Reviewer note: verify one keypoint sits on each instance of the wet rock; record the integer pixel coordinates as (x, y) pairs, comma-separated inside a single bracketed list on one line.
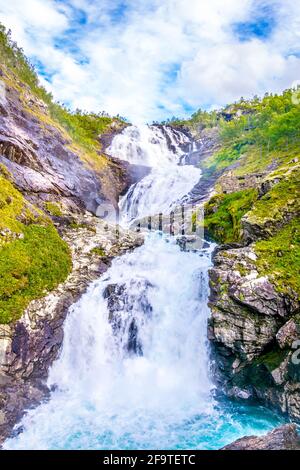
[(28, 348), (127, 312), (252, 329), (246, 310), (283, 438), (289, 333)]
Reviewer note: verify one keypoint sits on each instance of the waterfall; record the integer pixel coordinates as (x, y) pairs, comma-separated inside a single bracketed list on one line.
[(162, 149), (133, 372), (153, 146)]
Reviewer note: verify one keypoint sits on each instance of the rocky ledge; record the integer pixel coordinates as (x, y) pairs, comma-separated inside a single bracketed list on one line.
[(282, 438), (255, 333), (29, 347)]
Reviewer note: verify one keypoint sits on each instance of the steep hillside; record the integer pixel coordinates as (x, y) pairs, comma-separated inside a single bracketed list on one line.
[(54, 175), (254, 215), (54, 159)]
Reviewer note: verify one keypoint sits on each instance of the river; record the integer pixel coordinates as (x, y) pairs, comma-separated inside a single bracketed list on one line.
[(134, 371)]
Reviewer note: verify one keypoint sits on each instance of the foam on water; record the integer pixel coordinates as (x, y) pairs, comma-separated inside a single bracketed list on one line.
[(168, 182), (135, 374), (109, 398)]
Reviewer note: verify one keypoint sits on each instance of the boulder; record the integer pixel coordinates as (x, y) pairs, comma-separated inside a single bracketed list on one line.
[(283, 438)]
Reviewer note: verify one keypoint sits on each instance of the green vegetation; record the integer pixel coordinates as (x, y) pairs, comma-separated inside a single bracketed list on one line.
[(252, 134), (279, 257), (223, 214), (257, 137), (99, 251), (11, 206), (272, 359), (198, 121), (220, 160), (4, 171), (283, 197), (53, 209), (13, 56), (77, 226), (30, 267), (33, 257), (84, 128)]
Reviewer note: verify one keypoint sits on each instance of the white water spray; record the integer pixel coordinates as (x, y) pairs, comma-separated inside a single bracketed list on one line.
[(133, 370), (160, 148), (109, 397)]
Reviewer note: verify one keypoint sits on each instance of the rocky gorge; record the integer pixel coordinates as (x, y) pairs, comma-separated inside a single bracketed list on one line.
[(254, 214), (61, 185), (59, 176)]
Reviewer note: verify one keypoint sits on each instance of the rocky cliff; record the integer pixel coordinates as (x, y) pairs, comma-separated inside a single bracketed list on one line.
[(54, 175), (253, 214), (282, 438)]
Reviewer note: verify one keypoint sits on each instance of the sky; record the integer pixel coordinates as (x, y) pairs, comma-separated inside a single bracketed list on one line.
[(149, 60)]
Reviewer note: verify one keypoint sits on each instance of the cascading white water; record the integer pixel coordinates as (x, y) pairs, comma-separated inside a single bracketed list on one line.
[(109, 397), (152, 146), (159, 148), (133, 372)]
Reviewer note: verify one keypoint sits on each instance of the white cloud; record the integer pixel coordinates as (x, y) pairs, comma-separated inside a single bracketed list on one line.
[(128, 59), (234, 70)]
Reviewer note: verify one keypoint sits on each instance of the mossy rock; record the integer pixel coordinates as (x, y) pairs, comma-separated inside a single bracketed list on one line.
[(223, 214), (99, 251), (54, 209), (279, 258), (277, 204), (272, 359), (33, 257)]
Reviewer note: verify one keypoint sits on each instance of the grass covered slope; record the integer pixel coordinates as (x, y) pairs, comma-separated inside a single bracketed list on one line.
[(253, 134), (257, 196), (279, 257), (33, 257), (223, 214)]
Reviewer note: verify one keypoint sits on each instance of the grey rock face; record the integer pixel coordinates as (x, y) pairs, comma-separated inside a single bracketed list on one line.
[(289, 333), (252, 330), (45, 163), (282, 438), (29, 347)]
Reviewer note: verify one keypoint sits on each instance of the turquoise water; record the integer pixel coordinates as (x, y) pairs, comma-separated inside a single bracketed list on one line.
[(108, 397)]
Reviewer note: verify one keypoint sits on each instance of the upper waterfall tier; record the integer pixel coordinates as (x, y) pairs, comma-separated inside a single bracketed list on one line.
[(154, 146), (161, 148)]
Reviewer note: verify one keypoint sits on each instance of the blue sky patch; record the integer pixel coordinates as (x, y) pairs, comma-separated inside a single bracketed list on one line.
[(261, 26), (117, 14), (171, 72)]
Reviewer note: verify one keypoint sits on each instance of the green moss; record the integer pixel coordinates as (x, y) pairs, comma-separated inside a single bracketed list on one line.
[(11, 206), (77, 226), (223, 214), (220, 160), (53, 209), (33, 257), (242, 269), (271, 360), (30, 267), (99, 251), (4, 172), (282, 198), (279, 257)]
